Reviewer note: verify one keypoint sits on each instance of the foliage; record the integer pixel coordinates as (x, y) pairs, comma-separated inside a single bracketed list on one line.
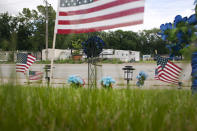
[(44, 109), (112, 61), (151, 41), (106, 82), (77, 46)]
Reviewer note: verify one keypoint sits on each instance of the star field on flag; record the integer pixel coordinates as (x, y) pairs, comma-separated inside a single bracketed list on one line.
[(69, 3)]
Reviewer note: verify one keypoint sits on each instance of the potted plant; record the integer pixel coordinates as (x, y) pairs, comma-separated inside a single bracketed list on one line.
[(76, 55)]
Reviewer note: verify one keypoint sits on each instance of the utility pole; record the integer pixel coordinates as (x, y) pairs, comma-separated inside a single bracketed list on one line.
[(47, 20)]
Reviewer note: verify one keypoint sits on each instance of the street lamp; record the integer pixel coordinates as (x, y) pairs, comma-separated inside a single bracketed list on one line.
[(128, 73), (47, 71)]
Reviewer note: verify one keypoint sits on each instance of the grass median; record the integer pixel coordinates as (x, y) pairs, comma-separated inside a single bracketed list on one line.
[(42, 108)]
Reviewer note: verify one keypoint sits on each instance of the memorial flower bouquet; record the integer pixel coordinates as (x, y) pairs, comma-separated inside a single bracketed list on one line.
[(106, 82), (76, 81), (142, 76)]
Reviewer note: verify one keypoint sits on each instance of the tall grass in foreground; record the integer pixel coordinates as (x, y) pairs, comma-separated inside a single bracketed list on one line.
[(37, 108)]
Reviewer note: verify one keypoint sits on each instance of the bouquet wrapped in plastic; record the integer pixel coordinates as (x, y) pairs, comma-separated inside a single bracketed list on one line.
[(106, 82), (76, 81), (142, 76)]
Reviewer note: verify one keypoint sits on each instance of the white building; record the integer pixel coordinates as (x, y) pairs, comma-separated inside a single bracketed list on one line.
[(59, 54), (107, 53), (123, 55), (4, 55), (146, 57)]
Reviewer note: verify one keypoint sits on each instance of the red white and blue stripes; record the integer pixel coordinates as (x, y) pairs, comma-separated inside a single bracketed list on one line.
[(99, 15)]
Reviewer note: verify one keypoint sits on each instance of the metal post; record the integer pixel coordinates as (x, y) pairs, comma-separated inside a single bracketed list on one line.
[(127, 79), (46, 35), (47, 70), (92, 73), (127, 84)]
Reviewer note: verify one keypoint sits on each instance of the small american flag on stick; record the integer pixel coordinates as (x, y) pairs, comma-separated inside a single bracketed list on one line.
[(82, 16), (24, 61), (167, 71), (35, 75)]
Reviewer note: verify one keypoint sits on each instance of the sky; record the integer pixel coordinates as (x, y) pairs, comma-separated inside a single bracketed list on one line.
[(157, 12)]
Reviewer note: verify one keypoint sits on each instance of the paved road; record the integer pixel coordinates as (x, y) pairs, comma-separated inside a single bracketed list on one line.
[(63, 71)]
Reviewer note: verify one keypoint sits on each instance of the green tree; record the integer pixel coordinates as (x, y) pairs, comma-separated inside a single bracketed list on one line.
[(151, 41), (7, 27)]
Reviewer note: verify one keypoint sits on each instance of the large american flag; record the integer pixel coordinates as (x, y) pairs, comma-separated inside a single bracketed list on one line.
[(82, 16), (167, 71), (24, 61)]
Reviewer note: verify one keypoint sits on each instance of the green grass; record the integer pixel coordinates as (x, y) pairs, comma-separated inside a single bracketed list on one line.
[(41, 108)]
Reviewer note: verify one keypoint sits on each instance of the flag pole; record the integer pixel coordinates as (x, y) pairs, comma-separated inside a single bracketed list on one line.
[(53, 48), (53, 54)]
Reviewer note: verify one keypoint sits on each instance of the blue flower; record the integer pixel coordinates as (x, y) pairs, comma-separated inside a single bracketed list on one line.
[(168, 25), (192, 19), (179, 35), (177, 20), (169, 47), (165, 27), (107, 81), (74, 79), (162, 27), (93, 42), (185, 19), (164, 37), (142, 76), (187, 45), (189, 32)]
